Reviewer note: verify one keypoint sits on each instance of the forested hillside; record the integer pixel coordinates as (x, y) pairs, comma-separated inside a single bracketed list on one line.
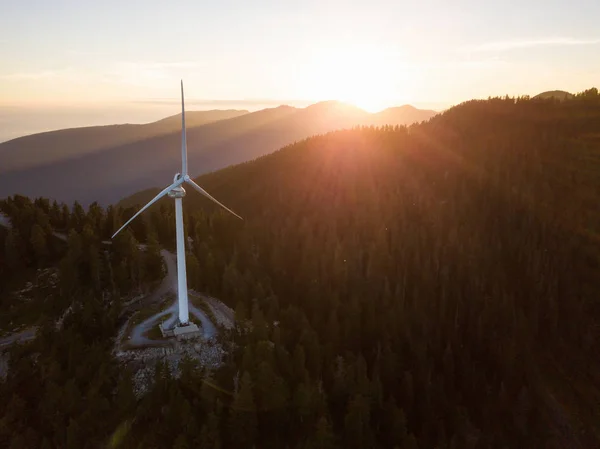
[(110, 162), (64, 389), (435, 286)]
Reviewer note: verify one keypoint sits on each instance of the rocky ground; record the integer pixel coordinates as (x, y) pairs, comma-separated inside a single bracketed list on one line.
[(208, 353), (46, 278), (206, 349), (4, 220), (224, 315)]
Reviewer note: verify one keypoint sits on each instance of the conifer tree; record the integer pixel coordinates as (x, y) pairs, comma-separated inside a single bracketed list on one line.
[(242, 415)]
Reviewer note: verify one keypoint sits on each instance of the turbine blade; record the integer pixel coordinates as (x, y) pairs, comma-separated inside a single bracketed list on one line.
[(154, 200), (183, 137), (207, 195)]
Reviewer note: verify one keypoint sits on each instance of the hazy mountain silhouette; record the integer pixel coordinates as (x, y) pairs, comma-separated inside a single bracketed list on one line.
[(401, 115), (557, 94), (106, 163), (46, 147)]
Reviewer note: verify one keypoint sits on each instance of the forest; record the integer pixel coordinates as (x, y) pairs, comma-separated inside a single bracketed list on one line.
[(431, 286)]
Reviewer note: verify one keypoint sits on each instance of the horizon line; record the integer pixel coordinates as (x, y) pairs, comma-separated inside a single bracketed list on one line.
[(269, 103)]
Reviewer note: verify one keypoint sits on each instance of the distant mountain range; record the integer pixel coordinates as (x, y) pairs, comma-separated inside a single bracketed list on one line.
[(47, 147), (557, 94), (107, 163)]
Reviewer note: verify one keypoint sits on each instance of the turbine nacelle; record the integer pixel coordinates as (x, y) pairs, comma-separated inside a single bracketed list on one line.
[(177, 192)]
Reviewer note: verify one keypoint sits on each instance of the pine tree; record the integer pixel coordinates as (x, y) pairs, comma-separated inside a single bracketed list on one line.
[(299, 365), (357, 429), (39, 245), (210, 437), (181, 442), (77, 218), (241, 314), (18, 442), (411, 442), (193, 271), (73, 435), (323, 437), (69, 276), (259, 324), (14, 250), (242, 417), (153, 260), (395, 425)]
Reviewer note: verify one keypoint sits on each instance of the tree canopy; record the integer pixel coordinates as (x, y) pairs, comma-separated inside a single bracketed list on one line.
[(431, 286)]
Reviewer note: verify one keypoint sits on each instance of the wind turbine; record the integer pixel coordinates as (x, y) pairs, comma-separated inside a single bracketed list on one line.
[(177, 192)]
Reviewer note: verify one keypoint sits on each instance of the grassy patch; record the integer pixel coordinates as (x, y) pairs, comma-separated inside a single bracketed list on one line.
[(154, 333), (146, 313), (199, 302), (196, 322)]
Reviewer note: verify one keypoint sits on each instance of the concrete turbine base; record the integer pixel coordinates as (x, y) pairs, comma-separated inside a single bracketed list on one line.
[(180, 332), (188, 331)]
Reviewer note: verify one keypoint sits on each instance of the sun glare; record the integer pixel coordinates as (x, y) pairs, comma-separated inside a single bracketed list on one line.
[(368, 78)]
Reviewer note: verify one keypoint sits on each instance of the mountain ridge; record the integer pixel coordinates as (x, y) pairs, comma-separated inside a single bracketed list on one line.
[(111, 169), (560, 95), (23, 152)]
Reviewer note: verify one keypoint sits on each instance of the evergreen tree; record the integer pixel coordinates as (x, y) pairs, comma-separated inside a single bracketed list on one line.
[(210, 436), (193, 271), (357, 429), (393, 287), (39, 245), (13, 250), (323, 437), (242, 417)]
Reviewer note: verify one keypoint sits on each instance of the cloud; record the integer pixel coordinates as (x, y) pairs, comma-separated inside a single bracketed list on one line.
[(39, 75), (88, 53), (222, 103), (147, 73), (529, 43), (133, 72), (455, 64), (159, 65), (465, 64)]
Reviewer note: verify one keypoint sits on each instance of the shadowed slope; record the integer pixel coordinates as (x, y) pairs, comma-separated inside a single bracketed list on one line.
[(108, 171), (54, 146), (452, 266)]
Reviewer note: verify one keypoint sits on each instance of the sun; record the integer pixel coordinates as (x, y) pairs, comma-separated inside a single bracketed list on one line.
[(368, 99), (367, 77)]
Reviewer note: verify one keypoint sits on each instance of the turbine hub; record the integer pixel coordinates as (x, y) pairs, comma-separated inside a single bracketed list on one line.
[(177, 192)]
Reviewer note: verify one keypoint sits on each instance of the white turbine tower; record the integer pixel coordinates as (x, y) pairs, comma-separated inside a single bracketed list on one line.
[(177, 192)]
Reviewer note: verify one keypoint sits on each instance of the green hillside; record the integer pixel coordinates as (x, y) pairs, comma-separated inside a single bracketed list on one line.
[(431, 286), (453, 266)]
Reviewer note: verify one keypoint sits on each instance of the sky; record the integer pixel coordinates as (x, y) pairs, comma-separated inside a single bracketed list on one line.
[(77, 62)]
